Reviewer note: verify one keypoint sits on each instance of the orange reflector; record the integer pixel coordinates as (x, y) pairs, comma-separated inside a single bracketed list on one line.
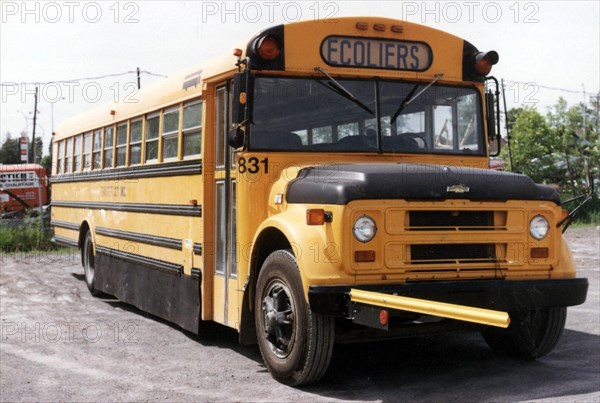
[(268, 48), (315, 216), (539, 253), (485, 61), (379, 27), (363, 26), (397, 29), (364, 256), (384, 317), (237, 52)]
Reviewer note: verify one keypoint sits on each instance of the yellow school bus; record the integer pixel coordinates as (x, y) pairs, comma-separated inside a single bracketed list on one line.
[(326, 181)]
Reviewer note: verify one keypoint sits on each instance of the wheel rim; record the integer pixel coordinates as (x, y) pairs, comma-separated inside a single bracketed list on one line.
[(279, 318), (89, 263)]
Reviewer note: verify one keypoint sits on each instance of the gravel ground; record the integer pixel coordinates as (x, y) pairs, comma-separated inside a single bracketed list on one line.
[(59, 343)]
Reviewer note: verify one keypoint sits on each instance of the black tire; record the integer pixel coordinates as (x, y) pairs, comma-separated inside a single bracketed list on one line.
[(530, 335), (295, 343), (89, 264)]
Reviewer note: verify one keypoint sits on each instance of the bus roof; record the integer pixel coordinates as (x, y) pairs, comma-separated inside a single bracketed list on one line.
[(181, 86)]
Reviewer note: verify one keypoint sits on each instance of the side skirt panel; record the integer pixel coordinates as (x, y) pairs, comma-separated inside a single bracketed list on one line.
[(146, 285)]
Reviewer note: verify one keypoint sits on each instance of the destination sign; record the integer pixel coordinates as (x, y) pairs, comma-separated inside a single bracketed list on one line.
[(374, 53)]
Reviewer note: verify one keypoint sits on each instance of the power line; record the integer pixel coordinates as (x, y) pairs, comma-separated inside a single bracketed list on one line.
[(549, 87), (75, 80)]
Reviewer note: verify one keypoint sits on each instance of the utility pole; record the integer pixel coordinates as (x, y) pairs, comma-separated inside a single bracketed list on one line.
[(584, 113), (138, 77), (34, 123)]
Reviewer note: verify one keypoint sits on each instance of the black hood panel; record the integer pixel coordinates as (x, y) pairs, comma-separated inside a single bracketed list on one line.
[(340, 184)]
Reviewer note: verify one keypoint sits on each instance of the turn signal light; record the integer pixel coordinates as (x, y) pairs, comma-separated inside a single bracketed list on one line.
[(318, 216), (364, 256), (539, 253), (268, 48), (484, 62)]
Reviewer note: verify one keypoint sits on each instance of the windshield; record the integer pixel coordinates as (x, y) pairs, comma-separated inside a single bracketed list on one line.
[(316, 114)]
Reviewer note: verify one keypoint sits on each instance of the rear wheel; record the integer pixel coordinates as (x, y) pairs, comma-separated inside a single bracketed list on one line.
[(295, 343), (89, 264), (530, 335)]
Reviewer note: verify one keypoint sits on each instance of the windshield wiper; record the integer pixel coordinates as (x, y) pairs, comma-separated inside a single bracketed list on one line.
[(410, 98), (339, 89)]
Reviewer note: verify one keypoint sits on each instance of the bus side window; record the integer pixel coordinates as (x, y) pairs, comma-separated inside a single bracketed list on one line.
[(135, 142), (152, 138), (60, 155), (192, 129), (87, 149), (170, 133), (77, 154), (69, 157), (96, 154), (121, 144), (108, 146)]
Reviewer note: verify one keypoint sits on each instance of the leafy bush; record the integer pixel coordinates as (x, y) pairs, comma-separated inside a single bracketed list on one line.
[(22, 235)]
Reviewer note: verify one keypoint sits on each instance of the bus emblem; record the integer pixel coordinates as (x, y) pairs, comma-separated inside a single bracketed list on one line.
[(457, 189)]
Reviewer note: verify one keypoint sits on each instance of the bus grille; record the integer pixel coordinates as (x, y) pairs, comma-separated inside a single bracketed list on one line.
[(451, 220), (452, 253)]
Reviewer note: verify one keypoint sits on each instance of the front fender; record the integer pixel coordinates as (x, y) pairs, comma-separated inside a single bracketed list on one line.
[(317, 247)]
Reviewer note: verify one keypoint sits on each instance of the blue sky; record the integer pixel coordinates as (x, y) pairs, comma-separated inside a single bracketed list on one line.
[(543, 46)]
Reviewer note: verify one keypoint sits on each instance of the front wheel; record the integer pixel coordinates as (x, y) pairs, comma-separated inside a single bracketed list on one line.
[(295, 343), (531, 334), (89, 264)]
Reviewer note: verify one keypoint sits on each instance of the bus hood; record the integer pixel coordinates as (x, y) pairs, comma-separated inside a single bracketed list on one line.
[(341, 184)]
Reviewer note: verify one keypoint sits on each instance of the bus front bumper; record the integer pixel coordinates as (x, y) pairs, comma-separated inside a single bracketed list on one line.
[(498, 295)]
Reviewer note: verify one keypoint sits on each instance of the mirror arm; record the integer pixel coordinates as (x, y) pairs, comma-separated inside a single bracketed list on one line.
[(497, 117)]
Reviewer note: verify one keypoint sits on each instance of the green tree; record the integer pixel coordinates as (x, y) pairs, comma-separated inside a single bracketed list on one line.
[(533, 146), (10, 152)]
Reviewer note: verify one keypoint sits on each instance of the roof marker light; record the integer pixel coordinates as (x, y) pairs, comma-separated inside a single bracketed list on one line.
[(268, 47), (484, 62)]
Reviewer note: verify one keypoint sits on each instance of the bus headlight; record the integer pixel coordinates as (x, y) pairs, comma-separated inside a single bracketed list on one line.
[(364, 228), (538, 227)]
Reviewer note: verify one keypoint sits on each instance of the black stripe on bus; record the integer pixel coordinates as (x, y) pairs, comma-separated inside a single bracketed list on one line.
[(196, 273), (167, 267), (178, 168), (197, 249), (61, 240), (65, 225), (171, 243), (169, 209)]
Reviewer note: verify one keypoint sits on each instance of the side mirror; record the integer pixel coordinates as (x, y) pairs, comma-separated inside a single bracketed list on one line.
[(238, 110), (492, 117), (241, 109)]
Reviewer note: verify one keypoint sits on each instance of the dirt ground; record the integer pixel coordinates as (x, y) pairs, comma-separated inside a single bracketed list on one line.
[(59, 343)]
